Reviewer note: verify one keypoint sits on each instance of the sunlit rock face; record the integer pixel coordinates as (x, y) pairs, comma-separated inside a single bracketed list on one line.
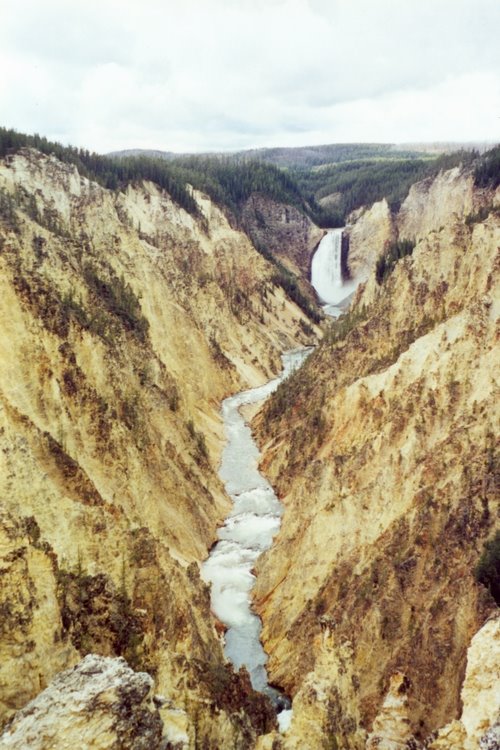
[(99, 704), (383, 457), (370, 231)]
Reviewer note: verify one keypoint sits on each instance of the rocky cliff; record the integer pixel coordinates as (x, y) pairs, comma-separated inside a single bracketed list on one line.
[(370, 230), (285, 230), (99, 704), (125, 321), (384, 450), (430, 206)]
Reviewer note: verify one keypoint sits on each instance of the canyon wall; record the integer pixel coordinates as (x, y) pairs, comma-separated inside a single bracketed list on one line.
[(431, 205), (125, 321), (284, 231), (383, 449), (370, 230)]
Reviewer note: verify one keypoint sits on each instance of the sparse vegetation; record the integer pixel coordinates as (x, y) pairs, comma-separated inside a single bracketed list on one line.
[(119, 298), (477, 217), (288, 392), (386, 263), (283, 278), (93, 611), (341, 326), (488, 569), (8, 214), (201, 452), (487, 171)]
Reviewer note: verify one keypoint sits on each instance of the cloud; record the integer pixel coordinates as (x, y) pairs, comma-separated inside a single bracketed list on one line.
[(225, 74)]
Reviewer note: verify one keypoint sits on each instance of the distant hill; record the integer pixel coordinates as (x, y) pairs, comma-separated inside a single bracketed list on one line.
[(305, 157)]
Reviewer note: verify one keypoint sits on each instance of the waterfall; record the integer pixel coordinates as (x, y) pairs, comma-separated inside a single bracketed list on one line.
[(326, 268), (326, 274)]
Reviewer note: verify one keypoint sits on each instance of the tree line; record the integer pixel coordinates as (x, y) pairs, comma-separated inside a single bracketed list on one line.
[(487, 171), (361, 183), (227, 183)]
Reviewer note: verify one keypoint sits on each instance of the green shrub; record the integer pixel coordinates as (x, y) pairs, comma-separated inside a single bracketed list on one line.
[(387, 262), (487, 570), (120, 300), (487, 171)]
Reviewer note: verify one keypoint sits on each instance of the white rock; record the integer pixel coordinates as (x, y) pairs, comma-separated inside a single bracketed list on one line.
[(100, 703)]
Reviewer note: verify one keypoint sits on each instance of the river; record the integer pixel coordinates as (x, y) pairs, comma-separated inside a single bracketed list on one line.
[(248, 530)]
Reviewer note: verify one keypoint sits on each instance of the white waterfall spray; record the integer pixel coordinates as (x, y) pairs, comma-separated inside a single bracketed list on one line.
[(326, 268), (326, 273)]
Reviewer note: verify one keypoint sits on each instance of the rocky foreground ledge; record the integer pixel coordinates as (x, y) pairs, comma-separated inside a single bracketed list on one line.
[(100, 703)]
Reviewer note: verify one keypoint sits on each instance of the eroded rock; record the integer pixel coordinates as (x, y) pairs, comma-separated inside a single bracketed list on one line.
[(99, 704)]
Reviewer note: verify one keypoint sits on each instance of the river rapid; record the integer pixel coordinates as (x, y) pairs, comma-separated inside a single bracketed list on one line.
[(248, 530)]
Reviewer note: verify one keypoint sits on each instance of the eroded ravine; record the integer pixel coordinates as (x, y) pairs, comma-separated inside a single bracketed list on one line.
[(248, 530)]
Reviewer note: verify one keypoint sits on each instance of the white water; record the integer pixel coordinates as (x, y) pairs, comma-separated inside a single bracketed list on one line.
[(326, 273), (249, 530)]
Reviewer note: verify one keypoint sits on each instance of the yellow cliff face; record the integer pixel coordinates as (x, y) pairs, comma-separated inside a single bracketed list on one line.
[(370, 231), (125, 321), (437, 202), (383, 452)]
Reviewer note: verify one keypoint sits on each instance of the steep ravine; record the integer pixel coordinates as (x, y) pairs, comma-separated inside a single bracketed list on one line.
[(383, 449), (248, 531), (125, 322)]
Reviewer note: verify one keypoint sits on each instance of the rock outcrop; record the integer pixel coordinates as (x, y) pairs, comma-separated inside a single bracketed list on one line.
[(437, 202), (284, 231), (98, 704), (125, 321), (383, 450), (479, 724), (370, 231)]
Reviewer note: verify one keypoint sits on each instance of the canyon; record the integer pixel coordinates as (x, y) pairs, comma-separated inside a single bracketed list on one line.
[(126, 321)]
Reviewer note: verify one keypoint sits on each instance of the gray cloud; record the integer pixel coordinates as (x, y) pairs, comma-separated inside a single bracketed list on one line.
[(227, 74)]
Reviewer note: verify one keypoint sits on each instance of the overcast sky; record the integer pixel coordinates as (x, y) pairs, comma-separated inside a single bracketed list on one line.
[(195, 75)]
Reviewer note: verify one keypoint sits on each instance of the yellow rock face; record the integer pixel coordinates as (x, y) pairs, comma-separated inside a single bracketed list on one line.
[(480, 695), (124, 322), (383, 451), (435, 203), (371, 231)]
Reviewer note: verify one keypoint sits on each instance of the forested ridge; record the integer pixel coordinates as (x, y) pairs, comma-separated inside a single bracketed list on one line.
[(361, 183), (487, 171), (228, 184), (300, 157), (361, 174)]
